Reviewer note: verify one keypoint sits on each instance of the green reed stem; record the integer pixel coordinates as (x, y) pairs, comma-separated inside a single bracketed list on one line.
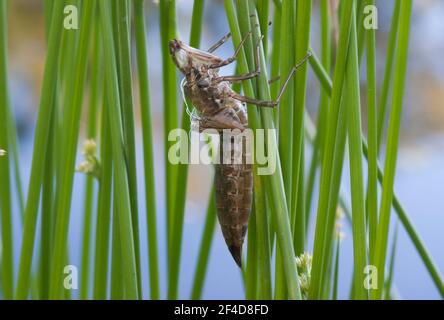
[(276, 56), (101, 268), (7, 264), (263, 10), (147, 132), (353, 101), (168, 32), (264, 281), (263, 243), (318, 144), (48, 217), (286, 108), (389, 282), (71, 123), (400, 68), (127, 111), (285, 118), (48, 186), (336, 269), (303, 19), (94, 101), (121, 193), (117, 285), (252, 254), (388, 72), (372, 180), (332, 162), (40, 144)]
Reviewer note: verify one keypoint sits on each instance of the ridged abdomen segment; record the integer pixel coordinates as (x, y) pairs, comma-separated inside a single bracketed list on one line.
[(234, 191)]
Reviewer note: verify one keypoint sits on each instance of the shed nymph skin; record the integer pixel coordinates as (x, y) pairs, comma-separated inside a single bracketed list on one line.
[(222, 108), (219, 110)]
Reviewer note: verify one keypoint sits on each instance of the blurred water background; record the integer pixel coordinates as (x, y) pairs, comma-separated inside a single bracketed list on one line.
[(419, 177)]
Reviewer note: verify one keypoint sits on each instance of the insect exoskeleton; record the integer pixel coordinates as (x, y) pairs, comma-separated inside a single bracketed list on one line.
[(221, 108)]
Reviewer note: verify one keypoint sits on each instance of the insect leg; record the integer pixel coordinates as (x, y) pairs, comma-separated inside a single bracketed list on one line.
[(239, 77), (232, 58), (271, 104), (245, 76), (219, 43), (257, 102), (225, 39), (266, 103)]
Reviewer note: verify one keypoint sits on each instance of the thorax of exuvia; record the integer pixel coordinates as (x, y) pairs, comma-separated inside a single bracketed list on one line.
[(202, 87)]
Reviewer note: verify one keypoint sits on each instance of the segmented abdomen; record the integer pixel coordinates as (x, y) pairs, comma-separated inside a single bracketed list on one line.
[(234, 192)]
